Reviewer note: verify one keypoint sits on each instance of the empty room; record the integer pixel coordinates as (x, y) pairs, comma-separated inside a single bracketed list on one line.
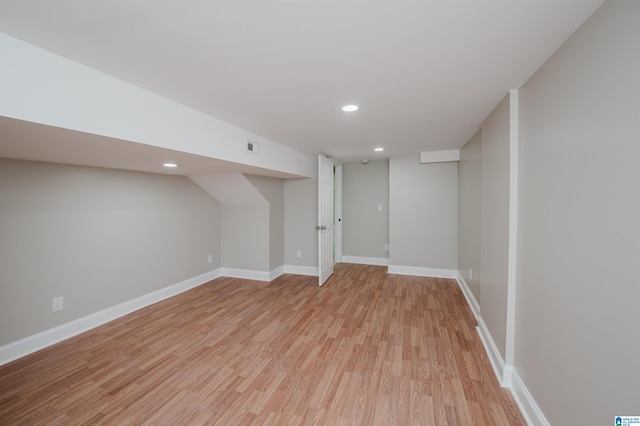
[(290, 212)]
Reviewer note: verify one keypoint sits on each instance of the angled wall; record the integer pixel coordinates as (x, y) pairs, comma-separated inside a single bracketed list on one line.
[(252, 222), (98, 238)]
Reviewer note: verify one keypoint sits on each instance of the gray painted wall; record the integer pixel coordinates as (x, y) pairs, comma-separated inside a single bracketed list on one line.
[(300, 219), (423, 216), (97, 237), (365, 230), (469, 202), (245, 236), (494, 219), (273, 190), (578, 291)]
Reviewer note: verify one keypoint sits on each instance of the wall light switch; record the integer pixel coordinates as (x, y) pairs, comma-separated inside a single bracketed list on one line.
[(386, 247), (210, 258), (298, 254)]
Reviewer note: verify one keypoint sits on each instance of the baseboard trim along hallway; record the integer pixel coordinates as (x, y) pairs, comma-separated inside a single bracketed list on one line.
[(367, 348)]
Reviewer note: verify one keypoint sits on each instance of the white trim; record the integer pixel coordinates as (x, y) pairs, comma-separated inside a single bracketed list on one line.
[(440, 156), (363, 260), (337, 218), (34, 343), (468, 294), (422, 272), (301, 270), (530, 411), (506, 374), (492, 352), (275, 273), (509, 352), (247, 274)]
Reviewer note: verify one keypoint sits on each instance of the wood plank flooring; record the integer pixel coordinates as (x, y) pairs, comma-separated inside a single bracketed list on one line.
[(367, 348)]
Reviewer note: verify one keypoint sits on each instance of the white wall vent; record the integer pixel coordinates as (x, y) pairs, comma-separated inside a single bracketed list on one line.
[(252, 147)]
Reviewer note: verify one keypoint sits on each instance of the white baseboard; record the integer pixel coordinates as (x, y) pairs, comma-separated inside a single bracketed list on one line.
[(506, 374), (468, 294), (34, 343), (530, 411), (275, 273), (497, 363), (422, 272), (301, 270), (362, 260), (247, 274)]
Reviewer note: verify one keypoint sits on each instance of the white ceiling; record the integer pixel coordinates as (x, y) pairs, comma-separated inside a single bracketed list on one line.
[(424, 73)]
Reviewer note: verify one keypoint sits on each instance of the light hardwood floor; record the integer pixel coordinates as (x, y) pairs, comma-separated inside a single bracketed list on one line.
[(368, 348)]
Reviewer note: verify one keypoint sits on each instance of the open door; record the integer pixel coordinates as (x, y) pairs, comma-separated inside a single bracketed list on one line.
[(325, 218)]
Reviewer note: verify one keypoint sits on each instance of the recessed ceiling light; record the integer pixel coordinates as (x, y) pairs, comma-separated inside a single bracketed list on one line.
[(350, 108), (378, 149), (170, 165)]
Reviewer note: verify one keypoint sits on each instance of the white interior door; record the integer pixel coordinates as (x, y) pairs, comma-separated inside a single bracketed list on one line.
[(325, 218)]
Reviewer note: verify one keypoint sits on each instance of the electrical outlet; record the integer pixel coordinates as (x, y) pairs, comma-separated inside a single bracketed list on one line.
[(386, 247), (56, 304), (298, 254), (379, 207), (210, 258), (470, 273)]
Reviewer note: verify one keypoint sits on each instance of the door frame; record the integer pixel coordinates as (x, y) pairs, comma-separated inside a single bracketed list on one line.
[(337, 203)]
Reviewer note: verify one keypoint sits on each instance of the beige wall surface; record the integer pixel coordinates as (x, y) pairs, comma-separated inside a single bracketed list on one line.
[(423, 216), (494, 219), (469, 202), (365, 229), (578, 292), (300, 219), (245, 236), (97, 237), (273, 190)]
